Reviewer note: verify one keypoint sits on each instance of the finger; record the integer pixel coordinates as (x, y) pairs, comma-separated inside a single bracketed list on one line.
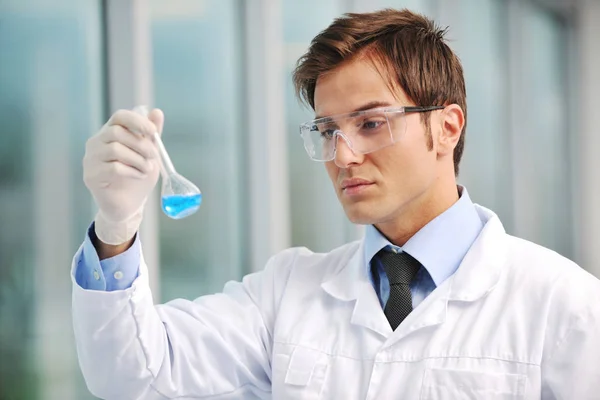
[(116, 151), (107, 173), (133, 122), (117, 169), (157, 117), (141, 144)]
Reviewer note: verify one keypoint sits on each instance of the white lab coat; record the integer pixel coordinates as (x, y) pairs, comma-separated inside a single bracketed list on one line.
[(516, 321)]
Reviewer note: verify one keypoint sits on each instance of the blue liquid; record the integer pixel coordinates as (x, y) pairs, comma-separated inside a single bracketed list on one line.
[(180, 206)]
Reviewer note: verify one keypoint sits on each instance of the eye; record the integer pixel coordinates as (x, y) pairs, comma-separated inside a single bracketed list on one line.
[(327, 134), (370, 125)]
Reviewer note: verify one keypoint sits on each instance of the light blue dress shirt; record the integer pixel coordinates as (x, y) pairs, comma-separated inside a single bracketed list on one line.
[(439, 246), (115, 273)]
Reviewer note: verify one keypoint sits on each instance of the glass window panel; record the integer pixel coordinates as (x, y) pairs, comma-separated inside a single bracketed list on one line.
[(50, 102), (543, 140), (198, 67), (478, 36), (478, 33), (420, 6)]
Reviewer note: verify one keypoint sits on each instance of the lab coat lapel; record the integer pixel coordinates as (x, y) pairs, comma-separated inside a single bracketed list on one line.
[(477, 275), (352, 283), (432, 311)]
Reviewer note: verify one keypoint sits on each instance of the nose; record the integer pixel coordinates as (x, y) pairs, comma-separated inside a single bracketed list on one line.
[(344, 155)]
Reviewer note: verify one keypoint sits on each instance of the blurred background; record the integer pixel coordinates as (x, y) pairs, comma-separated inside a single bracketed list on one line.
[(220, 70)]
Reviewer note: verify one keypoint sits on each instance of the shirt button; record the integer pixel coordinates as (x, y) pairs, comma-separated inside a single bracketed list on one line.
[(96, 275), (394, 250), (118, 275)]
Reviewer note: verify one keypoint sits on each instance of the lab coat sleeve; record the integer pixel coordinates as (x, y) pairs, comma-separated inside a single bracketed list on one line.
[(571, 366), (215, 347)]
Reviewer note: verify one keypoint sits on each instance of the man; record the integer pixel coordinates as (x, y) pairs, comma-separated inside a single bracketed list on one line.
[(435, 302)]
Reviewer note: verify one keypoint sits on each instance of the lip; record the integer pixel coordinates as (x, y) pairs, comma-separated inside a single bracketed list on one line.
[(355, 185)]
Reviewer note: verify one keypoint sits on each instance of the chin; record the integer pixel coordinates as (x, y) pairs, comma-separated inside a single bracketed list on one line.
[(360, 214)]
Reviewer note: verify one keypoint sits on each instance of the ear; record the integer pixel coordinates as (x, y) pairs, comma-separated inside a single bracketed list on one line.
[(452, 121)]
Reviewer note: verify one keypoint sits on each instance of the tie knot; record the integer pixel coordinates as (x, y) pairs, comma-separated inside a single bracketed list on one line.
[(399, 267)]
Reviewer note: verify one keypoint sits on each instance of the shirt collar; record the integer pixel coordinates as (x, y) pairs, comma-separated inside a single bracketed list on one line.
[(440, 245)]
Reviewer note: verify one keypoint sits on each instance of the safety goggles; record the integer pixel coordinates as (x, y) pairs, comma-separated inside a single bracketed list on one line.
[(364, 131)]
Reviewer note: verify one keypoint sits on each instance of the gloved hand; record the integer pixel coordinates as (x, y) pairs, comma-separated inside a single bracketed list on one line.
[(120, 168)]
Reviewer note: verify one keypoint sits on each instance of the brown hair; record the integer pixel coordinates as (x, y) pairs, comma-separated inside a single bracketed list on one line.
[(409, 46)]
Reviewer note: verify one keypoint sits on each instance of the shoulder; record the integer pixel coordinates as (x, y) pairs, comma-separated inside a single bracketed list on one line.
[(301, 259), (572, 294), (299, 267), (300, 263), (528, 260)]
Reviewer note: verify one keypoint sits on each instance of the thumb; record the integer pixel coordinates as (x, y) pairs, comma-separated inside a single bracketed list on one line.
[(157, 117)]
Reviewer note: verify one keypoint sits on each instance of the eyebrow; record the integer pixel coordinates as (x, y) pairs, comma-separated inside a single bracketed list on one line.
[(367, 106)]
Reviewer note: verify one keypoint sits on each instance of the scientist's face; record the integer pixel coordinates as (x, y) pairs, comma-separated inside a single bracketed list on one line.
[(391, 183)]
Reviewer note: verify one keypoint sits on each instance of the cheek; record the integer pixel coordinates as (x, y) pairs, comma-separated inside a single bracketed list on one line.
[(405, 162), (332, 171)]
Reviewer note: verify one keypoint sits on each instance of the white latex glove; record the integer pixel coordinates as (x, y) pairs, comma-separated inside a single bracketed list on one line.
[(120, 168)]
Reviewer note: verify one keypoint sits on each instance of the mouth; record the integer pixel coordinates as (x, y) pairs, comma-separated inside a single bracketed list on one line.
[(355, 186)]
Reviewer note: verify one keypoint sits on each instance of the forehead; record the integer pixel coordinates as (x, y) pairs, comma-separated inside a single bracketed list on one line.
[(354, 84)]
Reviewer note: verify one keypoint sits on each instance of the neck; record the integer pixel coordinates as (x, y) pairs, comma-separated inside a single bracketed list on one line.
[(419, 212)]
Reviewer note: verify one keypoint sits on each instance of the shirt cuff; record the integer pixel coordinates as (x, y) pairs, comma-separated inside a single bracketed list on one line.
[(115, 273)]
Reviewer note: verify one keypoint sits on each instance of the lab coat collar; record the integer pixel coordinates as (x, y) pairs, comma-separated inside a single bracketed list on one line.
[(351, 283), (439, 246), (476, 276), (346, 283), (482, 266)]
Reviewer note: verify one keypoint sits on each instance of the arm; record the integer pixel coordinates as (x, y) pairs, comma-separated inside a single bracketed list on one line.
[(217, 346), (571, 366)]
